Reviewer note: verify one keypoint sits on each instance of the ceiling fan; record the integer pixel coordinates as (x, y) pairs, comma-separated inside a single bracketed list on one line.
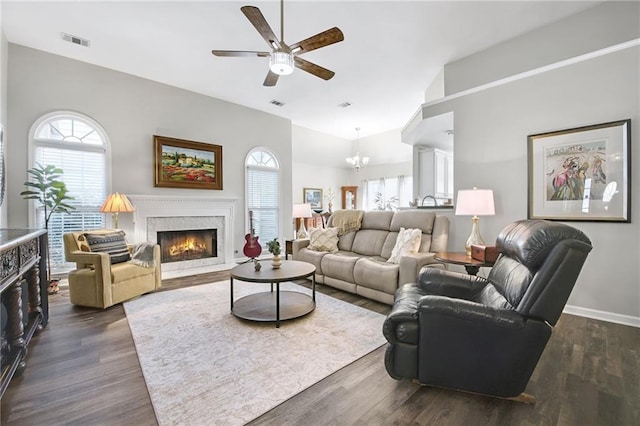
[(283, 58)]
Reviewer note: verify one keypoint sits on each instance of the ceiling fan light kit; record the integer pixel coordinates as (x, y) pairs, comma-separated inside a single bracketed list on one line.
[(281, 63), (284, 58)]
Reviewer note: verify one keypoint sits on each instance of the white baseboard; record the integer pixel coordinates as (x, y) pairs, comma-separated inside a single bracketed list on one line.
[(603, 315)]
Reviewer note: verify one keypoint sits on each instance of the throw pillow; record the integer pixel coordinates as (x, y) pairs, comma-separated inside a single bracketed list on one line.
[(408, 242), (324, 239), (112, 243)]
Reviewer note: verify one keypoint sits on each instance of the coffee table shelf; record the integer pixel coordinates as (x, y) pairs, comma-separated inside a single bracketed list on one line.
[(274, 305)]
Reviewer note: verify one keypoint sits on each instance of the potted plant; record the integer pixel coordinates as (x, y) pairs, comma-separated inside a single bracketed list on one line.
[(52, 194), (274, 248)]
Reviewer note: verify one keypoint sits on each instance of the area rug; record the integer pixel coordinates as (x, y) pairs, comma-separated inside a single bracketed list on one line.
[(202, 365)]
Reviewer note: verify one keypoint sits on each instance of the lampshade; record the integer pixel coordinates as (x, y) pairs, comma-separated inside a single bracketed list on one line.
[(475, 202), (302, 210), (281, 63), (117, 203)]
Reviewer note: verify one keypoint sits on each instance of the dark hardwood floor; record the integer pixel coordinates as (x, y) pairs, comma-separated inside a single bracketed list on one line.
[(83, 370)]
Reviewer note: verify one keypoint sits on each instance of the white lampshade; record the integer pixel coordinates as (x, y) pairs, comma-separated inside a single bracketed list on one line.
[(281, 63), (302, 210), (475, 202)]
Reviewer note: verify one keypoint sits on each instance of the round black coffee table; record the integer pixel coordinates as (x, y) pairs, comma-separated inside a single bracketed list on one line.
[(269, 305)]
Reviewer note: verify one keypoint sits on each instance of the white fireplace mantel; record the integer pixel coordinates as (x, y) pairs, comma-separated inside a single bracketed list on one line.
[(154, 206)]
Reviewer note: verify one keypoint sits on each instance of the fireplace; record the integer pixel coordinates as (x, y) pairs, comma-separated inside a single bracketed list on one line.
[(191, 244)]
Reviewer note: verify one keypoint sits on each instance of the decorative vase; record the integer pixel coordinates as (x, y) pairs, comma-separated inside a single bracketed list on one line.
[(257, 265), (330, 207), (276, 261)]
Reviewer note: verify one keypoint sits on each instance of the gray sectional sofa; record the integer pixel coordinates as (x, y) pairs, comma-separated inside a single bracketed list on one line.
[(360, 265)]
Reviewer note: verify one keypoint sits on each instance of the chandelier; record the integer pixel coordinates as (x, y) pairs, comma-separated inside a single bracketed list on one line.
[(357, 161)]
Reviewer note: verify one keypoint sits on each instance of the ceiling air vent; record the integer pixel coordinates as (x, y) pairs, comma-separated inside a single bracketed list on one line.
[(276, 103), (344, 105), (75, 40)]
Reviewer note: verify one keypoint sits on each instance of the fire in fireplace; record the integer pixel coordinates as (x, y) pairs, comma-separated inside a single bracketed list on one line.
[(178, 246)]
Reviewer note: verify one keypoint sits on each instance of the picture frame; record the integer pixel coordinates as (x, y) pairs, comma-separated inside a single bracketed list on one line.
[(313, 196), (187, 164), (581, 174)]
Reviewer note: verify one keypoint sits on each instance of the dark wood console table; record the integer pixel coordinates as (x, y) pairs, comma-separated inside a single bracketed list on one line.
[(23, 290)]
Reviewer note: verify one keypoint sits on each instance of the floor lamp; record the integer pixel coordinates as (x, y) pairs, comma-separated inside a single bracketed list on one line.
[(117, 203), (475, 202)]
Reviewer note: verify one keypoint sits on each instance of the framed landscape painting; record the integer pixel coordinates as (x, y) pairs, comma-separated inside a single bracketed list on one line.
[(581, 174), (187, 164)]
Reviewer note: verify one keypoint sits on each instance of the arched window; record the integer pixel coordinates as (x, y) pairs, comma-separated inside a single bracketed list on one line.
[(263, 193), (78, 145)]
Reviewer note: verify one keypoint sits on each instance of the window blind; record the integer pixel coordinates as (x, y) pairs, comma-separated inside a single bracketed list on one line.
[(263, 200), (84, 175)]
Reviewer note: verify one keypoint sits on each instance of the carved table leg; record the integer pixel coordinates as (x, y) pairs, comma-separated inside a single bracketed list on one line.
[(35, 302), (15, 327)]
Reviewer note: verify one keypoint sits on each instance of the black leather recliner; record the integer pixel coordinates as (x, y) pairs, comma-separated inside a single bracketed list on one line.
[(486, 335)]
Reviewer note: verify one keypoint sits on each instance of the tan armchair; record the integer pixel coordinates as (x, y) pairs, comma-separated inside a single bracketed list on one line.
[(96, 282)]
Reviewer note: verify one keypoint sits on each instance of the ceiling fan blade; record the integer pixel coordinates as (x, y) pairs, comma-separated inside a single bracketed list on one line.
[(325, 38), (249, 53), (271, 80), (314, 69), (256, 18)]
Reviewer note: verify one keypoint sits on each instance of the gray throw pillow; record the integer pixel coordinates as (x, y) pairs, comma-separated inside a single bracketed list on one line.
[(112, 243)]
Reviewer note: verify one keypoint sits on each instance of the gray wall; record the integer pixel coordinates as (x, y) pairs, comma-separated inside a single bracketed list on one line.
[(3, 105), (491, 128), (131, 110), (602, 26)]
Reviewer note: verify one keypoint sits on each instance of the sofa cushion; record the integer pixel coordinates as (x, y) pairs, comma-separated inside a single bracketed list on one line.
[(377, 219), (313, 257), (413, 219), (324, 239), (339, 265), (369, 242), (376, 274), (407, 242), (112, 243)]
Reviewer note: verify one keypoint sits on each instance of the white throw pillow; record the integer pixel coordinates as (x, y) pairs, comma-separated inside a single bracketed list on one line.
[(408, 242), (324, 239)]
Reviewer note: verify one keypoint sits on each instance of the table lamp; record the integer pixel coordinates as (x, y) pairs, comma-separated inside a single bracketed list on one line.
[(475, 202), (302, 211), (117, 203)]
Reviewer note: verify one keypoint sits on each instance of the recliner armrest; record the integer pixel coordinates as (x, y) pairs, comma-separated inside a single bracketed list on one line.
[(449, 283), (404, 310), (297, 245), (465, 310)]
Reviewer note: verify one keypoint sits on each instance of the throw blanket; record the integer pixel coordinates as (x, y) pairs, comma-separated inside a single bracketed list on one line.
[(347, 220), (143, 255)]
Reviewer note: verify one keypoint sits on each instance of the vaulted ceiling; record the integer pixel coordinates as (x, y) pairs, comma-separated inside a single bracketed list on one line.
[(391, 52)]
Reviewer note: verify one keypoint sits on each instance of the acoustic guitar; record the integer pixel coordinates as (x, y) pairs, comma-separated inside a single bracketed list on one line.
[(251, 248)]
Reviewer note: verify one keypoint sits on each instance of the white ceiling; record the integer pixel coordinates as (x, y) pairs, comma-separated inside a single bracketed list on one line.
[(391, 52)]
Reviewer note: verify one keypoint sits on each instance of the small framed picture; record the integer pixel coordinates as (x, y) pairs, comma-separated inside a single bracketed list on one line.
[(581, 174), (313, 196)]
